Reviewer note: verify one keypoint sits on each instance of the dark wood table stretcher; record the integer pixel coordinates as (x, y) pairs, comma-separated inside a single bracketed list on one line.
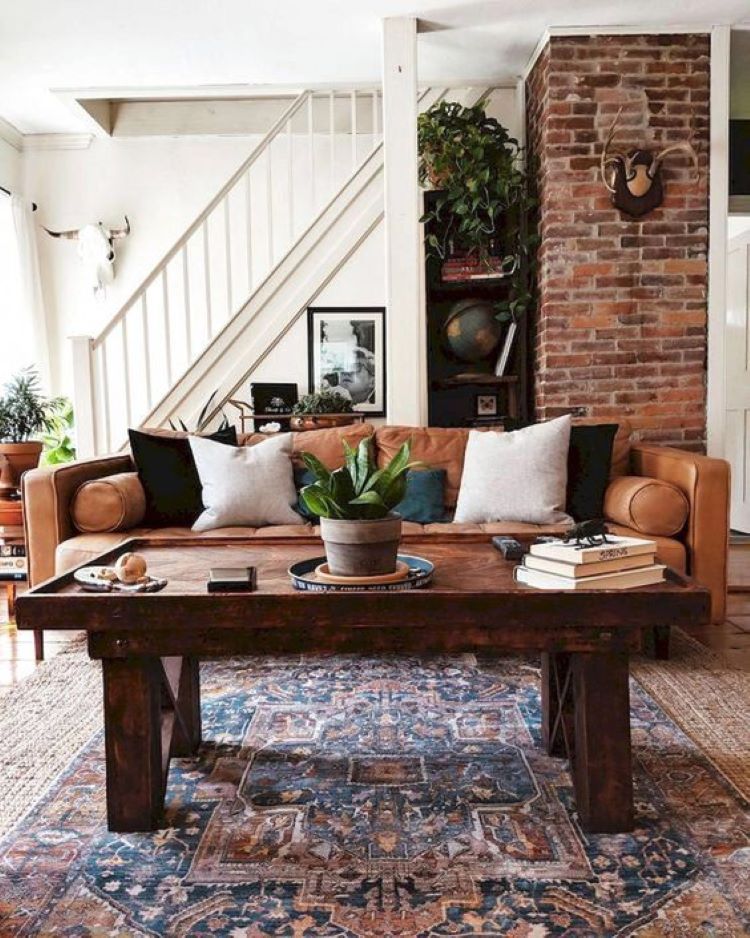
[(150, 646)]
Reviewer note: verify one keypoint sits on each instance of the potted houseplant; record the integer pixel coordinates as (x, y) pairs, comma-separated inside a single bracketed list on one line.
[(479, 214), (322, 409), (24, 414), (355, 503)]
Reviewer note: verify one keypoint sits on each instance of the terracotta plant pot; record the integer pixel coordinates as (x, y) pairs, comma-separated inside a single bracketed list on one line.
[(361, 548), (15, 459), (320, 421)]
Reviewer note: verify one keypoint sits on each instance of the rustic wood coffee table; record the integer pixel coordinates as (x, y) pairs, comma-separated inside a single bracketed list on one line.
[(150, 646)]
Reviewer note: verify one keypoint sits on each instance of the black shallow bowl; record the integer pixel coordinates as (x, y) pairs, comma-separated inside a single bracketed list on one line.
[(303, 577)]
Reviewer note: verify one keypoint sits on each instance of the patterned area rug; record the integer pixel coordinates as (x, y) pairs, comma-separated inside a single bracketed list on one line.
[(383, 797), (708, 700)]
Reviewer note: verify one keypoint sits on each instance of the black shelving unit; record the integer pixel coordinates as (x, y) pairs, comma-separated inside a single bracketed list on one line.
[(452, 384)]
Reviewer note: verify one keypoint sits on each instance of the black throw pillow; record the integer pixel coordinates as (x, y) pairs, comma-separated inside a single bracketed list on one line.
[(589, 463), (170, 480)]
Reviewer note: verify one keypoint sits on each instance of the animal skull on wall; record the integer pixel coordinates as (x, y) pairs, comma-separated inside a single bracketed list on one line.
[(634, 178), (96, 250)]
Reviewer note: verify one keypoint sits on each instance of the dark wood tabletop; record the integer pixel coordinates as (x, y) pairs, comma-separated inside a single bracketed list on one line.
[(473, 587)]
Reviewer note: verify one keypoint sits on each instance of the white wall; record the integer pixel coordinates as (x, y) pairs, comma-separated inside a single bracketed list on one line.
[(10, 166), (361, 282), (162, 185)]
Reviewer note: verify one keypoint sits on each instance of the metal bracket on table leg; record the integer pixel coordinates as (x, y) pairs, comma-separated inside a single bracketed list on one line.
[(563, 692)]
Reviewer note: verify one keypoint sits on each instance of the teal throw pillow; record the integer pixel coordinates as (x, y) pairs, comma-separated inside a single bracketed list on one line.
[(424, 499), (303, 477)]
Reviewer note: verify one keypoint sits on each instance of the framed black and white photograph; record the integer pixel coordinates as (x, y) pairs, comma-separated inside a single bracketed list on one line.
[(486, 405), (273, 399), (346, 348)]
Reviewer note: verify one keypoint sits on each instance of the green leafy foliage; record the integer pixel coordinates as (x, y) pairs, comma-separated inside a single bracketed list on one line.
[(483, 202), (203, 419), (323, 402), (358, 490), (24, 411), (59, 446)]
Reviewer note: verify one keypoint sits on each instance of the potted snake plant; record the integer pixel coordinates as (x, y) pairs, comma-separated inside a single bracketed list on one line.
[(355, 503)]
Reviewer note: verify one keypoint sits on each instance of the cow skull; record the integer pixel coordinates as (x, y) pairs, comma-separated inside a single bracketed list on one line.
[(634, 178), (96, 250)]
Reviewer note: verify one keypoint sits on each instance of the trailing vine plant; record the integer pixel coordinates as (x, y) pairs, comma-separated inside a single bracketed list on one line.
[(483, 202)]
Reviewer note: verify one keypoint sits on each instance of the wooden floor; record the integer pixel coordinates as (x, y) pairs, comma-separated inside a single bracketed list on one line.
[(731, 639)]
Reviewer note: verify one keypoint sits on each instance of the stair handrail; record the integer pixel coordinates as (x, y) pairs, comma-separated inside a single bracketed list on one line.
[(156, 271)]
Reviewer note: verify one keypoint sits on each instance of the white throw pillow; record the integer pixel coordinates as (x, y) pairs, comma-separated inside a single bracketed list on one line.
[(517, 476), (245, 485)]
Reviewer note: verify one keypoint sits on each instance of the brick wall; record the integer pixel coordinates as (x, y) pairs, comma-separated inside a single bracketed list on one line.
[(621, 320)]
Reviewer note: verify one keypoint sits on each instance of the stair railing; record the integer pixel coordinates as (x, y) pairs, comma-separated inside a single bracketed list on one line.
[(246, 229)]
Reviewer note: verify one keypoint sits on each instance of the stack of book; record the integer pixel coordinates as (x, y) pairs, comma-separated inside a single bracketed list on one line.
[(461, 269), (12, 545), (620, 563)]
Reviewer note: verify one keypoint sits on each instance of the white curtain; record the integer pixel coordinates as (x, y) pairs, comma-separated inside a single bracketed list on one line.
[(30, 298)]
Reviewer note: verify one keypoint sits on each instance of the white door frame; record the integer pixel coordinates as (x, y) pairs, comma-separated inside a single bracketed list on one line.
[(717, 241)]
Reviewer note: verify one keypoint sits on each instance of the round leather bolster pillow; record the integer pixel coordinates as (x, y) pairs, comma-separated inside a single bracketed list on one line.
[(648, 505), (113, 503)]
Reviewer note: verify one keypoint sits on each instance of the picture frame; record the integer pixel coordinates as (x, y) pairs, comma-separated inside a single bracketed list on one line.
[(346, 353), (273, 399), (486, 405)]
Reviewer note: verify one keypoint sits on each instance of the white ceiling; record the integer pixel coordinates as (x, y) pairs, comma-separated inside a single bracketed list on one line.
[(48, 44)]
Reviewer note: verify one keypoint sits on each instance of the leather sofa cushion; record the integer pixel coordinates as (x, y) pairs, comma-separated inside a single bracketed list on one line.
[(649, 506), (325, 444), (85, 547), (328, 445), (523, 530), (438, 447), (113, 503), (668, 550)]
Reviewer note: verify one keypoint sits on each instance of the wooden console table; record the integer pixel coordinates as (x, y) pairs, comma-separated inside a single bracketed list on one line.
[(150, 646)]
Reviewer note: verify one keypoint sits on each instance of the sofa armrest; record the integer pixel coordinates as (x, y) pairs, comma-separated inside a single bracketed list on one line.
[(705, 481), (47, 493)]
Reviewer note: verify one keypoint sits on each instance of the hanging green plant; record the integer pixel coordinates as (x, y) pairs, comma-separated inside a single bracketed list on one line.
[(483, 203)]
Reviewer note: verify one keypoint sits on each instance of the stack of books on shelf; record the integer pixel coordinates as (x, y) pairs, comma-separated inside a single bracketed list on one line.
[(12, 545), (620, 563), (461, 269)]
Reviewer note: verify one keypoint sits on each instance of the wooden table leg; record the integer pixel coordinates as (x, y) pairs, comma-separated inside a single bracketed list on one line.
[(137, 762), (602, 771), (10, 595), (187, 729), (557, 704), (662, 634)]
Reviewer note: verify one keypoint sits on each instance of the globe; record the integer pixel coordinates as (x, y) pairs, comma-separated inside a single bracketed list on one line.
[(471, 332)]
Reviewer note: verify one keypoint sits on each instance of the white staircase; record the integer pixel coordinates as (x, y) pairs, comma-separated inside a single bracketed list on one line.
[(304, 187), (241, 274)]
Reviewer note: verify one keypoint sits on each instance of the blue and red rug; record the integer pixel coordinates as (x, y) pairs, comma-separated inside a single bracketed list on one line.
[(382, 797)]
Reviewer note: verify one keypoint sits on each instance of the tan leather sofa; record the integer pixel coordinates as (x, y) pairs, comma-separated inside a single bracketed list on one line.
[(680, 499)]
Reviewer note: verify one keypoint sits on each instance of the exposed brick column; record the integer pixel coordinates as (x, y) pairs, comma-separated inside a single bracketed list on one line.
[(621, 324)]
